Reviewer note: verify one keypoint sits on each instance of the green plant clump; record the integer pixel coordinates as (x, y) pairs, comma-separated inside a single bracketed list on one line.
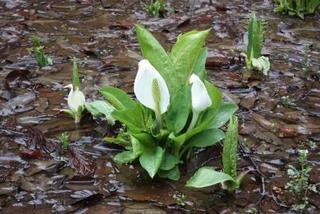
[(155, 8), (207, 176), (298, 182), (254, 60), (38, 51), (297, 7), (177, 109)]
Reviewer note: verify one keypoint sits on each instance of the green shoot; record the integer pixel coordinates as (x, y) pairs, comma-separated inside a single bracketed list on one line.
[(75, 74), (38, 52), (155, 8), (64, 139)]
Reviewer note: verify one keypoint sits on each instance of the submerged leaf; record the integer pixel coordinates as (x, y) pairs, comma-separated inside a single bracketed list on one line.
[(207, 176), (101, 108)]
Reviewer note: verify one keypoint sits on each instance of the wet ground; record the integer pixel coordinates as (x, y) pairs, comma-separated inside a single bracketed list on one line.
[(279, 114)]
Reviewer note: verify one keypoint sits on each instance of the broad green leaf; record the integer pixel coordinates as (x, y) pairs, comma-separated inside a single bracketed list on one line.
[(207, 176), (200, 66), (206, 138), (229, 155), (151, 160), (75, 74), (179, 110), (215, 94), (153, 51), (131, 117), (261, 64), (185, 53), (255, 38), (169, 161), (118, 98), (172, 174), (145, 138), (223, 115), (119, 140), (101, 108)]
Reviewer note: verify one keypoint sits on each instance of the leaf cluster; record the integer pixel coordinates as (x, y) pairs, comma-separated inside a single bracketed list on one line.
[(299, 8)]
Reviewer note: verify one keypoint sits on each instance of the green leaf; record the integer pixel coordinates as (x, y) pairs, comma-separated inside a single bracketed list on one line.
[(145, 138), (118, 98), (179, 110), (185, 53), (172, 174), (207, 176), (151, 160), (229, 155), (131, 117), (215, 94), (206, 138), (169, 161), (261, 64), (129, 156), (75, 74), (200, 65), (255, 38), (153, 51), (223, 115), (101, 108)]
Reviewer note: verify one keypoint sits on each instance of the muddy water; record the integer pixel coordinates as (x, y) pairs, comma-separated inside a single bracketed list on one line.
[(279, 113)]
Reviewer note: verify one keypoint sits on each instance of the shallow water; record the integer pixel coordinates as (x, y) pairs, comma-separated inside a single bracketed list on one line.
[(278, 114)]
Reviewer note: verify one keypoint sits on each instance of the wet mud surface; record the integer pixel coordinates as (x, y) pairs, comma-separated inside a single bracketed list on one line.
[(278, 114)]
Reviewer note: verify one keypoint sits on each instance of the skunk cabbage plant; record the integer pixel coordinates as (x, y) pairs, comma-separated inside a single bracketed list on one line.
[(254, 60), (76, 99), (176, 111)]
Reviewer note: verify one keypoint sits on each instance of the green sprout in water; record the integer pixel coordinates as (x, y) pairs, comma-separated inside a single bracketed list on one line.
[(254, 60), (298, 183), (297, 7), (64, 139), (207, 176), (38, 51), (155, 8)]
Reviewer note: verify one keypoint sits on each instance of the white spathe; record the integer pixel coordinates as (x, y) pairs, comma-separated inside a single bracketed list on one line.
[(199, 94), (143, 87), (76, 99), (200, 98)]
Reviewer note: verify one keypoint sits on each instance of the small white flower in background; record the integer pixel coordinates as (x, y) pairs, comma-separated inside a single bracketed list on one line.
[(151, 89), (76, 99), (76, 102), (262, 64), (200, 98)]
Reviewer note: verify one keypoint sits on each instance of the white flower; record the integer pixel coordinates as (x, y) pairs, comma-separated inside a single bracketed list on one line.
[(76, 102), (261, 64), (200, 98), (151, 89)]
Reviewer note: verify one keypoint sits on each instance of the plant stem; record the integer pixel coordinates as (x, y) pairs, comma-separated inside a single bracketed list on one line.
[(195, 116)]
